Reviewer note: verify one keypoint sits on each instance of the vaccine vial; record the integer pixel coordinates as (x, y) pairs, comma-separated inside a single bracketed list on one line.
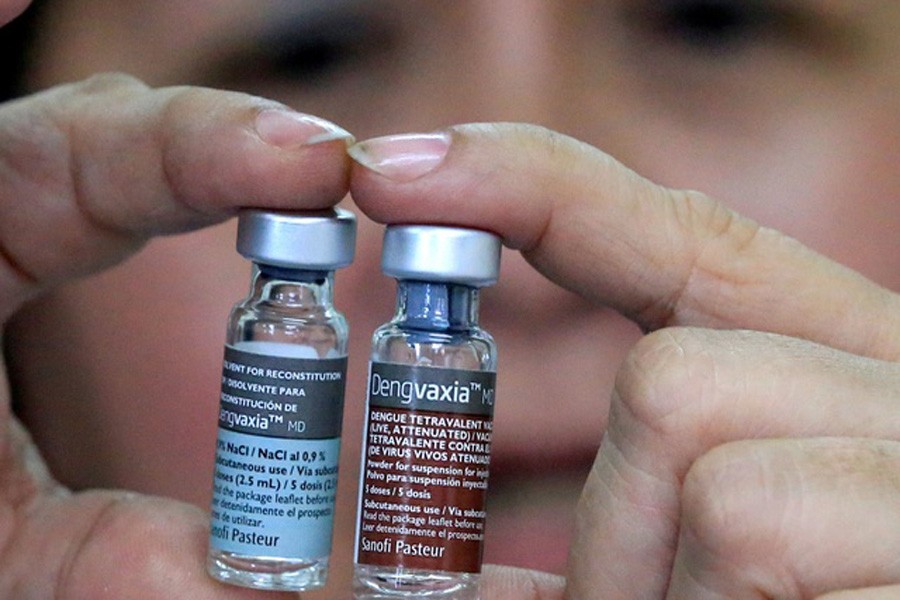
[(281, 404), (427, 437)]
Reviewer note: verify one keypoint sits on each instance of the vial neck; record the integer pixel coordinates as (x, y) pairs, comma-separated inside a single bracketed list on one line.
[(292, 287), (436, 306)]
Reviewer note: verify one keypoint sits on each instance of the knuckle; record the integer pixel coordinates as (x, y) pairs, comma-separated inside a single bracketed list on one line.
[(731, 496), (78, 109), (718, 237), (713, 224), (183, 108), (106, 83), (668, 380)]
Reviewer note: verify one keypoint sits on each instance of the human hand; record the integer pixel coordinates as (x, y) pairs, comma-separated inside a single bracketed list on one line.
[(88, 173), (752, 446)]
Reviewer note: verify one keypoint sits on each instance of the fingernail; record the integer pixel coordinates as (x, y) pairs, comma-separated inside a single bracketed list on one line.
[(286, 129), (402, 157)]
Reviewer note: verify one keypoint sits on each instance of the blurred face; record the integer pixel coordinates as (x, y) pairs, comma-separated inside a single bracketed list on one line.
[(786, 109)]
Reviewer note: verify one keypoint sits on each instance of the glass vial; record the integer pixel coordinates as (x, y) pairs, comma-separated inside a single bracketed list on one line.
[(281, 404), (427, 437)]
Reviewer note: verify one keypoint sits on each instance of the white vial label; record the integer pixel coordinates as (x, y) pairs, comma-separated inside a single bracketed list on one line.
[(277, 454)]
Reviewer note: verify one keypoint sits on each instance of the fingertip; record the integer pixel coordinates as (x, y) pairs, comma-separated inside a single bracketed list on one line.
[(464, 175), (285, 128), (404, 157), (10, 9), (252, 152)]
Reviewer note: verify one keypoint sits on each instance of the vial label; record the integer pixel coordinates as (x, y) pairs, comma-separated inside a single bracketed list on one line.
[(425, 468), (277, 455)]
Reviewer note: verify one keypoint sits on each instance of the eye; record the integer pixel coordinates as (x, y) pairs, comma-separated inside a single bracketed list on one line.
[(311, 52), (713, 26), (320, 50)]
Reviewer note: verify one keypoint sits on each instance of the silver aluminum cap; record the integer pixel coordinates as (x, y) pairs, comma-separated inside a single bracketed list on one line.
[(437, 253), (317, 240)]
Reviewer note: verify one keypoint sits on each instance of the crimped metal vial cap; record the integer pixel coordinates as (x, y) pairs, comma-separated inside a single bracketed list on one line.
[(317, 240), (437, 253)]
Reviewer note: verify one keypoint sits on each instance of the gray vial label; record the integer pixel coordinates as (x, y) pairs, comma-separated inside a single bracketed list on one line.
[(275, 396)]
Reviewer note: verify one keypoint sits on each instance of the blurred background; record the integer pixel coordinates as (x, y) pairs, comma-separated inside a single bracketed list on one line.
[(788, 110)]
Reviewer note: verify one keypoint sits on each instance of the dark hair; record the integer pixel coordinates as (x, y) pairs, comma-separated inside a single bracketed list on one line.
[(16, 40)]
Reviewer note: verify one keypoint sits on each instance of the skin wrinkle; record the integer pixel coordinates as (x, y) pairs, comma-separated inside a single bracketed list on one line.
[(884, 337), (598, 485), (120, 517), (171, 97), (685, 207), (699, 583), (835, 459), (78, 193), (575, 214), (720, 227), (605, 172), (615, 445), (66, 570), (714, 515), (167, 163), (670, 535), (24, 476), (33, 484), (710, 520), (27, 476), (661, 312), (866, 374), (120, 88), (646, 374), (827, 464), (535, 584), (617, 467), (177, 96), (529, 249), (802, 507), (35, 469), (18, 272)]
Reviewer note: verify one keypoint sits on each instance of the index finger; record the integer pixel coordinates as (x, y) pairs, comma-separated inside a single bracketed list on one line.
[(662, 257), (90, 171)]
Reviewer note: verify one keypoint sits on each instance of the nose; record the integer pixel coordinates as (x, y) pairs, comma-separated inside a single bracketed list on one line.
[(499, 63), (516, 42)]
